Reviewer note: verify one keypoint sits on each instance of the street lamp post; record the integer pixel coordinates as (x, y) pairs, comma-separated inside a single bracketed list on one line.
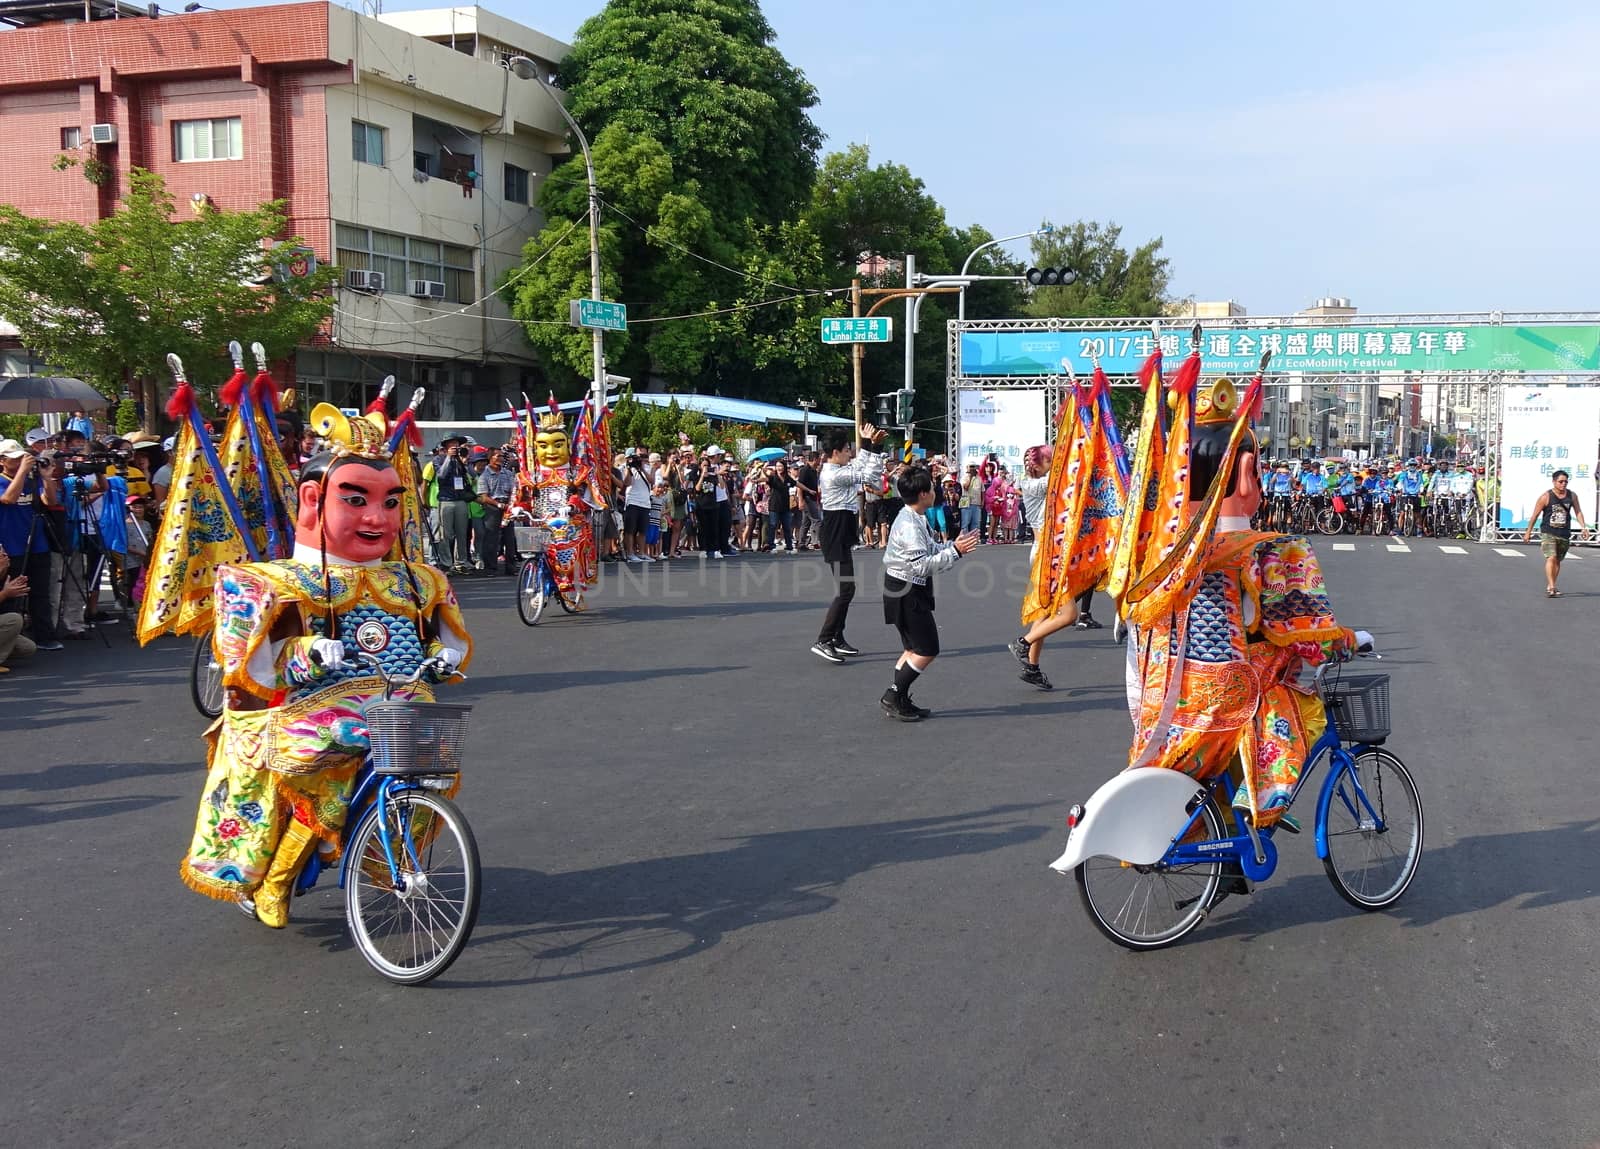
[(525, 69), (961, 298), (806, 405)]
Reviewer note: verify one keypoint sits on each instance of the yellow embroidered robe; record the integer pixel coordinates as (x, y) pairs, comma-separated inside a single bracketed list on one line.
[(292, 739)]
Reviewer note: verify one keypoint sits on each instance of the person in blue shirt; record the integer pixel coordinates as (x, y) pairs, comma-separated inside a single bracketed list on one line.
[(81, 424), (1408, 485), (1347, 481), (1312, 481), (26, 487), (1279, 489)]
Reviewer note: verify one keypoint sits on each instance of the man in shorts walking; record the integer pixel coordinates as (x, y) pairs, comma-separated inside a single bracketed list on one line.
[(1556, 508)]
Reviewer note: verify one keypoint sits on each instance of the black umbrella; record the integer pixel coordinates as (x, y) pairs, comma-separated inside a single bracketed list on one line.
[(36, 394)]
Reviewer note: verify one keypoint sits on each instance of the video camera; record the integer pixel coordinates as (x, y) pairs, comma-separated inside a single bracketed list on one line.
[(94, 463)]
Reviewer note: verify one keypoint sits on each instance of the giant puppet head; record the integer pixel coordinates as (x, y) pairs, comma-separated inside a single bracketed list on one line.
[(1215, 407), (551, 446), (350, 495)]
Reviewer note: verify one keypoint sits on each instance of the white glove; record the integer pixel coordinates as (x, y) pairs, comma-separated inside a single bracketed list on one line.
[(451, 657), (328, 653), (1364, 641)]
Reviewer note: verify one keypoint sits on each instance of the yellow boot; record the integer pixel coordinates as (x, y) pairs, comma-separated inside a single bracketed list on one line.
[(272, 898)]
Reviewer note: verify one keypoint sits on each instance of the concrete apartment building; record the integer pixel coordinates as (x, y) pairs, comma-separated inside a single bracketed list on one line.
[(407, 152)]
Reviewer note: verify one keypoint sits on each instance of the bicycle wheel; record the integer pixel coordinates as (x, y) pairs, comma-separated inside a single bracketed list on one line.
[(1374, 830), (1147, 907), (1330, 522), (530, 592), (205, 679), (569, 602), (411, 930)]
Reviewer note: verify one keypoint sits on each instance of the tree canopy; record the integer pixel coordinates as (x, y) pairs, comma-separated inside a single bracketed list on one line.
[(108, 301), (729, 240)]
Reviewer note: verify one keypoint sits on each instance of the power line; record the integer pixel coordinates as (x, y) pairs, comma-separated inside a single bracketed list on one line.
[(465, 308), (703, 259)]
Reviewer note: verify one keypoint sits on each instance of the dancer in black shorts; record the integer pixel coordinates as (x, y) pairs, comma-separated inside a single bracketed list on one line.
[(909, 563)]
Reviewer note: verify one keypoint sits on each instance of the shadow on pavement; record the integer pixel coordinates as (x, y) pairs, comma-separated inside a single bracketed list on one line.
[(25, 815), (561, 680), (1529, 869), (588, 923), (70, 776)]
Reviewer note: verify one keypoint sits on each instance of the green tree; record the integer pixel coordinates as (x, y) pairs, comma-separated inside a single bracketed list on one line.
[(108, 301), (702, 78), (857, 209)]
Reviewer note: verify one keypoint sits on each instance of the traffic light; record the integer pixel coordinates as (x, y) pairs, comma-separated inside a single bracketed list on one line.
[(1051, 276), (886, 407), (905, 405)]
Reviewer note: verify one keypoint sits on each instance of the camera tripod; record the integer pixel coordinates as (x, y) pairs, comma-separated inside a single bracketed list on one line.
[(68, 573)]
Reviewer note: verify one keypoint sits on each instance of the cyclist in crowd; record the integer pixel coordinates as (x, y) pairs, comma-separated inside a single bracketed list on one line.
[(1280, 489), (1408, 488), (1314, 486)]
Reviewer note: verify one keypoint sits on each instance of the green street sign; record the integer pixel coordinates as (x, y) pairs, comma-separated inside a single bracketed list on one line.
[(877, 329), (598, 313)]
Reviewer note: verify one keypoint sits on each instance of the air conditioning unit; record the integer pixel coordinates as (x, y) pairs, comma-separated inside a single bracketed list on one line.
[(364, 280), (102, 133), (427, 289)]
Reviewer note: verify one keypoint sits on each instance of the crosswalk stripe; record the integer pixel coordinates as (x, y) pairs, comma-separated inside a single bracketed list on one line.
[(1509, 552), (1454, 550), (1399, 548), (1344, 546)]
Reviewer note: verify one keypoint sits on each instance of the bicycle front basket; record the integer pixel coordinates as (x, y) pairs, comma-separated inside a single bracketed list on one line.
[(530, 539), (1360, 706), (417, 737)]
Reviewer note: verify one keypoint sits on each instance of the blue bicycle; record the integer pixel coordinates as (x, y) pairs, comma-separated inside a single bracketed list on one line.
[(410, 870), (1152, 853), (536, 581)]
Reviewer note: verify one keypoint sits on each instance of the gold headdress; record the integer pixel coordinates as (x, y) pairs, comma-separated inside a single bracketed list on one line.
[(365, 435), (1216, 402), (552, 421)]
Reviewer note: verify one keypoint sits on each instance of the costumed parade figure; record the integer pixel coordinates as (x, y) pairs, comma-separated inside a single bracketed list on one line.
[(560, 492), (1226, 625), (1084, 491), (284, 755)]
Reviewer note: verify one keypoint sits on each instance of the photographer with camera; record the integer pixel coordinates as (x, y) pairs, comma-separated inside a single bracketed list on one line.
[(639, 480), (457, 490), (24, 489)]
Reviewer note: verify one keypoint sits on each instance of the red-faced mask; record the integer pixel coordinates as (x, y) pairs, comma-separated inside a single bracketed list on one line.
[(354, 515)]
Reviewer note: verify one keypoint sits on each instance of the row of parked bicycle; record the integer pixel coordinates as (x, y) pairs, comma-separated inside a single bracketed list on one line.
[(1443, 516)]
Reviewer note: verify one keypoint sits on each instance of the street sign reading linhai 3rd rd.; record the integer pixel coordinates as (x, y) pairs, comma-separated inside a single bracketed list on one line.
[(598, 313), (877, 329)]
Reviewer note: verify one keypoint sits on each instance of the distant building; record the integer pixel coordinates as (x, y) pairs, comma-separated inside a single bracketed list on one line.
[(407, 152), (1205, 309)]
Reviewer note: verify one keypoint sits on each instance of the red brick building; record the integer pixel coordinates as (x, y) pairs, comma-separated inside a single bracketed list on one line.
[(338, 114)]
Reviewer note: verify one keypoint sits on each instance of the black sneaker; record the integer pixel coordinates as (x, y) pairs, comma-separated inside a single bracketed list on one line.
[(1086, 622), (1035, 677), (840, 646), (920, 711), (1019, 650), (896, 707), (825, 651)]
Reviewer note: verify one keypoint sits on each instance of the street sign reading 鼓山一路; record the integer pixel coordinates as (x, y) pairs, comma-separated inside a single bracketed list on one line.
[(598, 313), (873, 329)]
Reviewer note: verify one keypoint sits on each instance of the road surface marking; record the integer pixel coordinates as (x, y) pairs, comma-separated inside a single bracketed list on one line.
[(1344, 546), (1508, 552), (1399, 547), (1454, 550)]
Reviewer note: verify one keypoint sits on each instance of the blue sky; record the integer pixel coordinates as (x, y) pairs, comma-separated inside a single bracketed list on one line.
[(1414, 156)]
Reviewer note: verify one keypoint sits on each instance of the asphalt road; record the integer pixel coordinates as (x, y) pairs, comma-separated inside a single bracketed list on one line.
[(727, 903)]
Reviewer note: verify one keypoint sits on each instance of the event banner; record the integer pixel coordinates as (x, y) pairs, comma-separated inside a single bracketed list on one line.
[(1547, 429), (1004, 423), (1236, 350)]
